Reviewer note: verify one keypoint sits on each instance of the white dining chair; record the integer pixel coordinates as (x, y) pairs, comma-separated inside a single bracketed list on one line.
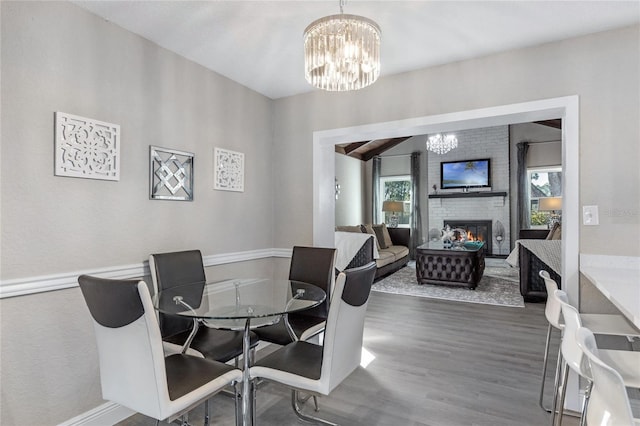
[(609, 400), (316, 369), (602, 324), (134, 371)]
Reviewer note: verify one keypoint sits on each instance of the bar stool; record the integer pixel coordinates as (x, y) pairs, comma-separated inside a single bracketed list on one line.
[(609, 401), (604, 324), (625, 362)]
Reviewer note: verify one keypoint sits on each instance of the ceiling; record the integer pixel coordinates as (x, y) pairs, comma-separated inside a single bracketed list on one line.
[(259, 43)]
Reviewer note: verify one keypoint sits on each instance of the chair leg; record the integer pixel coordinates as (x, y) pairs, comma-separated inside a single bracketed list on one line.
[(254, 396), (587, 395), (207, 412), (306, 398), (238, 406), (305, 417), (556, 387), (565, 379), (544, 369)]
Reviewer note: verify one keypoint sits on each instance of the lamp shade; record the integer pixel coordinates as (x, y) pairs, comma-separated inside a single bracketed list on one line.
[(550, 204), (392, 206)]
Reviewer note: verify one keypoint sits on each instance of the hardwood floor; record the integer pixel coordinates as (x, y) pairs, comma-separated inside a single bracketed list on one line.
[(436, 363)]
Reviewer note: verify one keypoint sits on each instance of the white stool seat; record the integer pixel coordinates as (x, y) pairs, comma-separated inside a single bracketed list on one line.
[(626, 363)]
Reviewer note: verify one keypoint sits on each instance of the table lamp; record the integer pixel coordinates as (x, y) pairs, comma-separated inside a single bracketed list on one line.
[(551, 204), (393, 207)]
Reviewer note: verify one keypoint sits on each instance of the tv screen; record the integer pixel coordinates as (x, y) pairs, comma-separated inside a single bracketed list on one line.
[(465, 174)]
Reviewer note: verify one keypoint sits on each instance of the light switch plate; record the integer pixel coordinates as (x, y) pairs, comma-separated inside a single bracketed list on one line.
[(590, 215)]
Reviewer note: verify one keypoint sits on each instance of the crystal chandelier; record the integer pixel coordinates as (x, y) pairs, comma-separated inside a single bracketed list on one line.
[(342, 52), (441, 144)]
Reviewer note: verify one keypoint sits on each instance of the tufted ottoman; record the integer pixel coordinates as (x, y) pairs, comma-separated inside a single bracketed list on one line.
[(460, 266)]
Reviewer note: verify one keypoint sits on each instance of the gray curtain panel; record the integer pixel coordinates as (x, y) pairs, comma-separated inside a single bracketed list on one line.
[(416, 214), (523, 204), (377, 163)]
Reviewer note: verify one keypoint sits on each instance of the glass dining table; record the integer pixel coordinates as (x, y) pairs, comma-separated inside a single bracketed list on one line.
[(239, 304)]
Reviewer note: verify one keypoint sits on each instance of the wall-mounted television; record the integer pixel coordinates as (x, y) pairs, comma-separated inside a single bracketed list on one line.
[(465, 174)]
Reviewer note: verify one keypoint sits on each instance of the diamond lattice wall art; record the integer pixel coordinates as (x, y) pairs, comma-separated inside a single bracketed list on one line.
[(171, 174), (86, 148), (228, 170)]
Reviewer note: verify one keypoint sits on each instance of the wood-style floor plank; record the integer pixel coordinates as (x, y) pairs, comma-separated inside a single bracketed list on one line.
[(436, 363)]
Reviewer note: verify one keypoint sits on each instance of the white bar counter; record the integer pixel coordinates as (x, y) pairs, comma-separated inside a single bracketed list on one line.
[(618, 279)]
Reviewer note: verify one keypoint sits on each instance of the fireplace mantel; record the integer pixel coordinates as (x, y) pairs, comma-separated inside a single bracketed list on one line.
[(470, 194)]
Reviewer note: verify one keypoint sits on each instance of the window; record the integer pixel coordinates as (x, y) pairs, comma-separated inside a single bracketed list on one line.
[(543, 182), (396, 188)]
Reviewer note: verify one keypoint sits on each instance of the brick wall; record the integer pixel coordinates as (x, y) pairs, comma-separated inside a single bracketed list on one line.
[(489, 142)]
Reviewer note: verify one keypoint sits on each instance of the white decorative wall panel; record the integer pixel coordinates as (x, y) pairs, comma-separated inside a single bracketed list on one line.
[(86, 148), (228, 170), (171, 174)]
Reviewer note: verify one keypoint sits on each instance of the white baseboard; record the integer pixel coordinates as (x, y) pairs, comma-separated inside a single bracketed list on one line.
[(40, 284), (108, 413)]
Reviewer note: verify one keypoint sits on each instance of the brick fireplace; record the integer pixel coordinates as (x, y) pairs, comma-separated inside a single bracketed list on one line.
[(477, 208), (480, 229)]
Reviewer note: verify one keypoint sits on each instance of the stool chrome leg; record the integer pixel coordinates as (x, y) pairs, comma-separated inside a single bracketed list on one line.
[(544, 369), (563, 394), (556, 387)]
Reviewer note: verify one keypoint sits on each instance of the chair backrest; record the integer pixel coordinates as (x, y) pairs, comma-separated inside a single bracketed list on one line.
[(132, 366), (344, 329), (571, 352), (553, 309), (173, 269), (314, 265), (609, 401)]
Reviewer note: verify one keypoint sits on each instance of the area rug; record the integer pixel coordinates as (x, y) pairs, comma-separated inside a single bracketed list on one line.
[(499, 286)]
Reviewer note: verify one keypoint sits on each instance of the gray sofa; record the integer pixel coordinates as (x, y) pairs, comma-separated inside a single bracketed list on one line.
[(391, 258)]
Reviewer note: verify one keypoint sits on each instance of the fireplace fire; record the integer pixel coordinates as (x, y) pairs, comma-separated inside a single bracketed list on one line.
[(477, 230), (471, 237)]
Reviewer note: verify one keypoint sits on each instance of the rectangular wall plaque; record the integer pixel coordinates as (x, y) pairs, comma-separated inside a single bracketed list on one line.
[(228, 170), (86, 148), (171, 174)]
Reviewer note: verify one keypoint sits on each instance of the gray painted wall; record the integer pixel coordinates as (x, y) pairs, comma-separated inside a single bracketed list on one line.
[(602, 69), (350, 202), (57, 57)]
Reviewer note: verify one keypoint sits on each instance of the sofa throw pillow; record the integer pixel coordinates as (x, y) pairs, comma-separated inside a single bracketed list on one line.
[(386, 235), (557, 234), (369, 230), (379, 232)]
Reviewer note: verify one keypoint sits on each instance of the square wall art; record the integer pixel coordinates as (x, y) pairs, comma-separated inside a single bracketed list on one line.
[(86, 148), (171, 174), (228, 170)]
